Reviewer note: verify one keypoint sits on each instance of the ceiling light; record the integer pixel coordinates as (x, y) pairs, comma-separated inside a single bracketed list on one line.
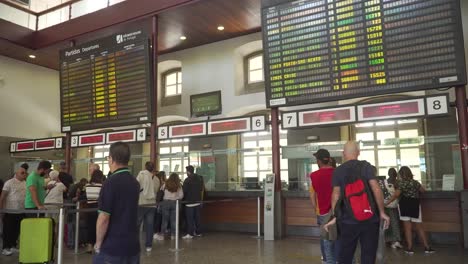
[(32, 56), (220, 28), (183, 37)]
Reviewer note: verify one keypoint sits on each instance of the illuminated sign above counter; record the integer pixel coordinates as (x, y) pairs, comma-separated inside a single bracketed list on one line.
[(37, 145), (417, 107)]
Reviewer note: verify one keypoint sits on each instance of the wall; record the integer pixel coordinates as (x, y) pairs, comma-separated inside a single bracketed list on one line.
[(213, 67), (29, 100)]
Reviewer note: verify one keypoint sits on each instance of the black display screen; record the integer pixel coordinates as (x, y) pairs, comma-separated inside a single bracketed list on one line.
[(327, 50), (106, 83)]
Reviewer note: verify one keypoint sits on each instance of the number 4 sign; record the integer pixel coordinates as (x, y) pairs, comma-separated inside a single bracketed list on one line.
[(141, 134)]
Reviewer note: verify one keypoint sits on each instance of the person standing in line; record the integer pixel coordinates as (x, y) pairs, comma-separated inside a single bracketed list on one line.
[(161, 179), (117, 238), (92, 190), (320, 196), (172, 192), (409, 190), (393, 233), (54, 193), (353, 231), (193, 189), (35, 191), (65, 178), (147, 197), (12, 198)]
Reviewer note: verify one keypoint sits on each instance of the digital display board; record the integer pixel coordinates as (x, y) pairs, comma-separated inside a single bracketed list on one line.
[(327, 116), (328, 50), (205, 104), (106, 83)]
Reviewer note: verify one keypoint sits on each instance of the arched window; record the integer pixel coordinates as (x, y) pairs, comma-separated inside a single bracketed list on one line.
[(253, 71), (172, 82)]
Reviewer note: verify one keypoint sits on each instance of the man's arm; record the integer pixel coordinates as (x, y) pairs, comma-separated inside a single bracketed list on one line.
[(313, 197), (34, 197), (335, 196), (102, 224), (379, 199)]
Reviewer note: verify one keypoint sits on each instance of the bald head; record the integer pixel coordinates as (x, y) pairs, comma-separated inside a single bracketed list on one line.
[(93, 167), (351, 150)]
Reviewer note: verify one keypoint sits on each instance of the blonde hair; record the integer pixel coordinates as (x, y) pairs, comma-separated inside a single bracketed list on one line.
[(53, 175)]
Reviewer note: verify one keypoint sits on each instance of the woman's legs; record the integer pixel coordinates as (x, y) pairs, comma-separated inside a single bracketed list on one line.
[(422, 235), (408, 234)]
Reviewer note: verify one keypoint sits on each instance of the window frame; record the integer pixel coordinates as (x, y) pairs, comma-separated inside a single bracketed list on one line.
[(254, 86), (167, 100)]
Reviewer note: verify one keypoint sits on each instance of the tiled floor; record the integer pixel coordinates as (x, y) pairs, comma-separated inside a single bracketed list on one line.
[(227, 248)]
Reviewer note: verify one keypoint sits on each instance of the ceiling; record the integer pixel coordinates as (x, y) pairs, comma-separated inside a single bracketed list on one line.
[(197, 20)]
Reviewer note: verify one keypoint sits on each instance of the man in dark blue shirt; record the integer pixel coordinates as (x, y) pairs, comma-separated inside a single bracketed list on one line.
[(351, 230), (116, 230)]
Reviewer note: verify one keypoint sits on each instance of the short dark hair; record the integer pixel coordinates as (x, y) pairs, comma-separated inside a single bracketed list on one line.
[(190, 169), (149, 166), (45, 164), (120, 153), (25, 166), (97, 176)]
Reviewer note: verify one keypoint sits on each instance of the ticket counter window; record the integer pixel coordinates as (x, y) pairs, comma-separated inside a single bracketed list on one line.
[(174, 156), (392, 144), (257, 161), (100, 157)]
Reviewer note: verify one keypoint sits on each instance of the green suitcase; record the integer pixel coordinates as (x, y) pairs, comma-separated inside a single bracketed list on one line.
[(36, 240)]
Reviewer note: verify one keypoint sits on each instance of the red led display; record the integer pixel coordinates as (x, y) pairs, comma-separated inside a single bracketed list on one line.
[(24, 146), (398, 109), (188, 130), (229, 126), (92, 140), (327, 116), (45, 144), (122, 136)]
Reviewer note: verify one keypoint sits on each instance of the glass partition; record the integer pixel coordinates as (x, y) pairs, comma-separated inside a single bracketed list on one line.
[(17, 16)]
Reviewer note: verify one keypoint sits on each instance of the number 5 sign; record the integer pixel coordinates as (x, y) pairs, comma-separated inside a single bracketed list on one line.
[(162, 132)]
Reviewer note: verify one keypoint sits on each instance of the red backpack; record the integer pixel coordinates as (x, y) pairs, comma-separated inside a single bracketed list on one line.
[(357, 196)]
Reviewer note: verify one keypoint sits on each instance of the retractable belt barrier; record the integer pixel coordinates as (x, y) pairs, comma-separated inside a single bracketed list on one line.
[(62, 211)]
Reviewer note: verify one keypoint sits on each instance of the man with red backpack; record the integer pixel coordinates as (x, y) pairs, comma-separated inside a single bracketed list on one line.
[(358, 204)]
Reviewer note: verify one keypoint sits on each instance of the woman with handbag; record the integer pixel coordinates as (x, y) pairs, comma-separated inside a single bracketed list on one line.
[(172, 192), (408, 191)]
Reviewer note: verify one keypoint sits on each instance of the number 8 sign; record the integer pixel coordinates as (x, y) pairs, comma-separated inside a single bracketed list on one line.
[(437, 105)]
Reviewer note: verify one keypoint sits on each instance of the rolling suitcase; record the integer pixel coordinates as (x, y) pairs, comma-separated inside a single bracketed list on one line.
[(36, 240)]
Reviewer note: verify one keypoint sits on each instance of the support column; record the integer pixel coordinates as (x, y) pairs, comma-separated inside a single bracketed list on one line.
[(462, 115), (279, 205), (154, 125), (68, 151)]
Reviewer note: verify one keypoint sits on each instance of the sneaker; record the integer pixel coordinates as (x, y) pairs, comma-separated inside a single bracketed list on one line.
[(429, 250), (158, 237), (14, 250), (148, 249), (6, 252), (187, 236), (396, 245), (409, 251)]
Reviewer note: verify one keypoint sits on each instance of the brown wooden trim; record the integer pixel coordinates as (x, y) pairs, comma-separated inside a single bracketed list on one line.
[(17, 6)]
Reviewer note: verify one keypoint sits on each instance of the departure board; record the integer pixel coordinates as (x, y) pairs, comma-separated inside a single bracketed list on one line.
[(328, 50), (106, 83)]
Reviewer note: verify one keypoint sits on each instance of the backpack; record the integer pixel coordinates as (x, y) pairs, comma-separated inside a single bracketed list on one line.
[(358, 200)]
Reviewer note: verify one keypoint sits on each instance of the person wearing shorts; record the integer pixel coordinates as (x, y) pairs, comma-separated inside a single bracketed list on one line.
[(408, 191)]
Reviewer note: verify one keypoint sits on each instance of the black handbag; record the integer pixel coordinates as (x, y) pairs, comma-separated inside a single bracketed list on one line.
[(160, 195)]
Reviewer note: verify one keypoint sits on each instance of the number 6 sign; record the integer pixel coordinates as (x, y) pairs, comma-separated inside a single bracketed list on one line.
[(258, 123)]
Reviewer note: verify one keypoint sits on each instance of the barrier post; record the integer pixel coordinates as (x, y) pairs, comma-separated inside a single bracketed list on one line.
[(77, 227), (177, 229), (259, 235), (60, 237)]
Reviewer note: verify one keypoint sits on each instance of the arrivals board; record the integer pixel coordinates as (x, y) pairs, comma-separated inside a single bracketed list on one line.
[(106, 83), (328, 50)]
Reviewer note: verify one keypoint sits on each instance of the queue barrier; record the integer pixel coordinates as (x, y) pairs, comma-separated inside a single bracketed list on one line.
[(62, 211)]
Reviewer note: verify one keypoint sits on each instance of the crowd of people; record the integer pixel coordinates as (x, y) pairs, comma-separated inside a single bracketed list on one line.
[(47, 189), (354, 206)]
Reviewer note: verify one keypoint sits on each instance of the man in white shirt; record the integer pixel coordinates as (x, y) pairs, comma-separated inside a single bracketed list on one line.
[(12, 198)]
